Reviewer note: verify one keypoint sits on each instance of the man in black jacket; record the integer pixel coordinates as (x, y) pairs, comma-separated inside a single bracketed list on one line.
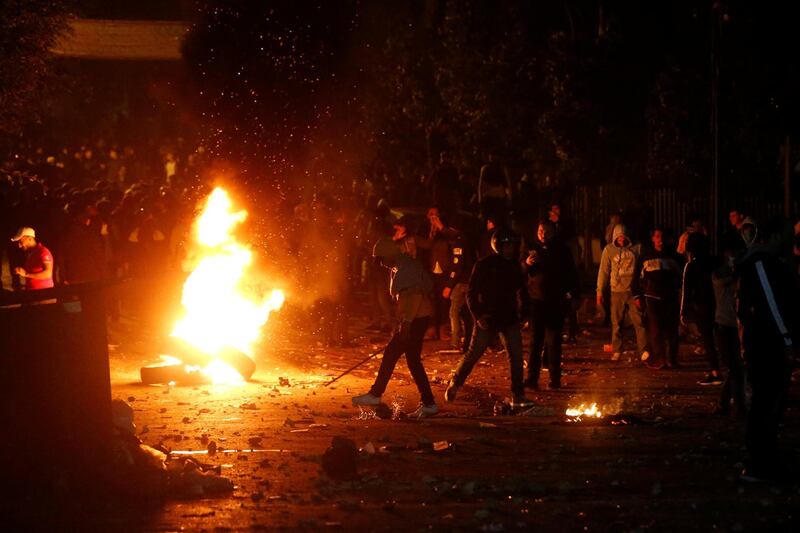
[(552, 285), (656, 287), (765, 312), (495, 289)]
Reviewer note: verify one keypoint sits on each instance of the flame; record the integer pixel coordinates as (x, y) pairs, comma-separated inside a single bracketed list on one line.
[(218, 312), (590, 411)]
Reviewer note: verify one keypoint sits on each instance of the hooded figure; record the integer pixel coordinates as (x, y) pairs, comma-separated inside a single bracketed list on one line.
[(765, 307), (618, 262), (617, 270)]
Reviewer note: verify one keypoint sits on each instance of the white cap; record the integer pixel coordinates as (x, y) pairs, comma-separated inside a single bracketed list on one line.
[(23, 232)]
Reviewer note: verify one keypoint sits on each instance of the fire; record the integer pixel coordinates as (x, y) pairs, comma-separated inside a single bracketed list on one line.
[(218, 312), (584, 410)]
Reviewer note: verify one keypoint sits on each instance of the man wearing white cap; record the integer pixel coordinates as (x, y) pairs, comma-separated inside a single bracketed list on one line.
[(38, 267)]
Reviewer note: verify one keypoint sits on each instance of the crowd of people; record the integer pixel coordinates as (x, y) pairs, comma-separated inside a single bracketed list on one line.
[(738, 306), (462, 269)]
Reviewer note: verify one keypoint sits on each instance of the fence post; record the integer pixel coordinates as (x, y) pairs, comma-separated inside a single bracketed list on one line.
[(787, 176)]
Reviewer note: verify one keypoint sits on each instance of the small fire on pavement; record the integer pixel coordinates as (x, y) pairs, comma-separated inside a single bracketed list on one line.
[(221, 320), (589, 411)]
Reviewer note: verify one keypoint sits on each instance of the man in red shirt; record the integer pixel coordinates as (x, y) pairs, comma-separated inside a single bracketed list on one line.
[(38, 269)]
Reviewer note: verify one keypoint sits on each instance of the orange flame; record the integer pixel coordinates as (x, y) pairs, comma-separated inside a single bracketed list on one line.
[(584, 410), (218, 312)]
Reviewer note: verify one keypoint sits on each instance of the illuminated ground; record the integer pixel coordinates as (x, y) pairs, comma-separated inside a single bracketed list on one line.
[(674, 471)]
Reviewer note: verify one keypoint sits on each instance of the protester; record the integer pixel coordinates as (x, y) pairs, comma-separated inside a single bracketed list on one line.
[(697, 301), (37, 271), (764, 310), (727, 337), (411, 286), (83, 257), (617, 270), (565, 232), (439, 260), (657, 283), (552, 282), (464, 257), (696, 225), (495, 288)]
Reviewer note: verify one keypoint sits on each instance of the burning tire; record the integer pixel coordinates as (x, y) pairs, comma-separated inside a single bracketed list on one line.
[(158, 374), (193, 356)]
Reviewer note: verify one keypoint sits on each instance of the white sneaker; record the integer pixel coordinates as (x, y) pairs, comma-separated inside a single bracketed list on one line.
[(645, 355), (424, 411), (367, 399), (616, 356)]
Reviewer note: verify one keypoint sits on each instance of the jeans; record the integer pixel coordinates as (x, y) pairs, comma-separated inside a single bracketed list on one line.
[(459, 313), (547, 323), (622, 303), (411, 346), (440, 303), (481, 338), (662, 329)]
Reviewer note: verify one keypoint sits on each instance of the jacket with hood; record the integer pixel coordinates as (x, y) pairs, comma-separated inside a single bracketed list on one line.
[(765, 304), (617, 264), (497, 292), (410, 284)]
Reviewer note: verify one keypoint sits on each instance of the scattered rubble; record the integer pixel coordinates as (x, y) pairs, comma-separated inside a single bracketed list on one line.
[(339, 461)]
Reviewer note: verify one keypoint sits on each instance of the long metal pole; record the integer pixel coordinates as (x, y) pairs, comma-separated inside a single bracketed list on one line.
[(343, 374), (715, 124)]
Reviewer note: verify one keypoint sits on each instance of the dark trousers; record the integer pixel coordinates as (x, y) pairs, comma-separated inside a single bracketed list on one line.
[(441, 305), (481, 338), (572, 318), (729, 349), (547, 323), (411, 346), (769, 374), (705, 327), (662, 329)]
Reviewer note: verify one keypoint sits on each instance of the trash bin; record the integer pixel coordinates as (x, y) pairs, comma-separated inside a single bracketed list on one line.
[(55, 391)]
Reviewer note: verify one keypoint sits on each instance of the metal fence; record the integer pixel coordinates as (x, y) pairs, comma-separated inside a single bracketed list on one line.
[(666, 207)]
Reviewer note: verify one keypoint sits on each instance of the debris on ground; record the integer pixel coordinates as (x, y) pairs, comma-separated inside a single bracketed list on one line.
[(151, 472), (339, 461)]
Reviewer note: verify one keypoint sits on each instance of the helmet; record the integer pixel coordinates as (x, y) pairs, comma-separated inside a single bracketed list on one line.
[(502, 236)]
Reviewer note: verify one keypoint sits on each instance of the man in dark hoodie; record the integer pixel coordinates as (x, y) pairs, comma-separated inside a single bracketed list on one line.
[(697, 300), (411, 286), (764, 311), (656, 286), (552, 285), (495, 289)]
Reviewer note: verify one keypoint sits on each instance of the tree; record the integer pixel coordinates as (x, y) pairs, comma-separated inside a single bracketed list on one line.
[(28, 30)]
